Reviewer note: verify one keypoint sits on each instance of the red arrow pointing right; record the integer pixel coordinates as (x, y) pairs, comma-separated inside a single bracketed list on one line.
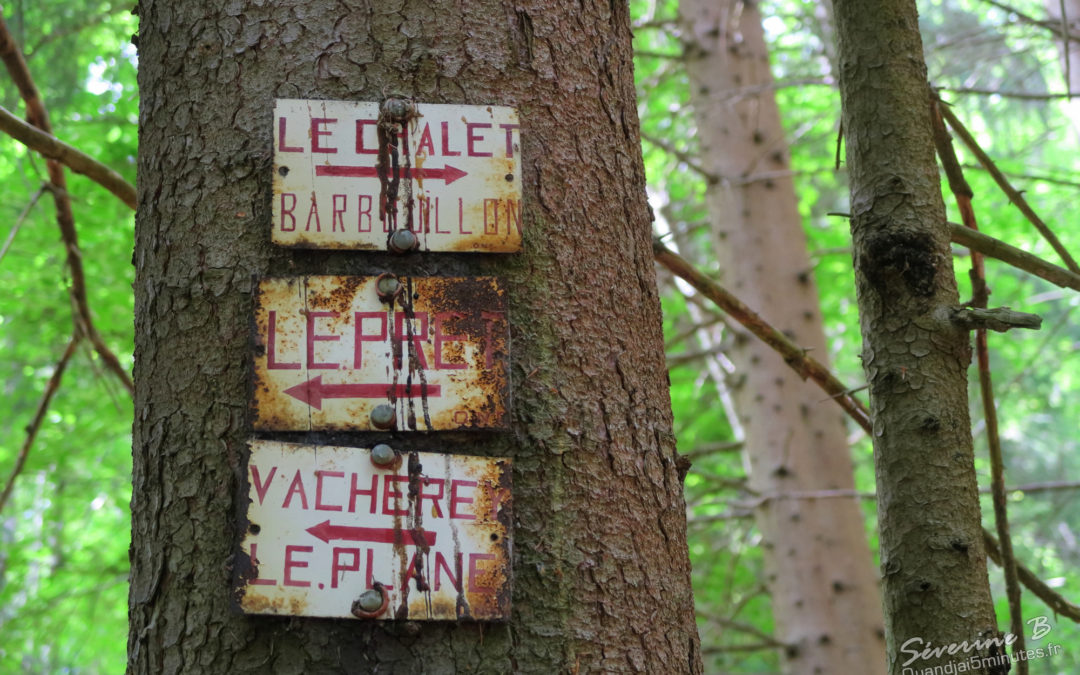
[(377, 535), (447, 173)]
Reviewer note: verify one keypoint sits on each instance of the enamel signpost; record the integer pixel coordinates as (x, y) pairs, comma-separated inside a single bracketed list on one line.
[(377, 532), (381, 353), (423, 538), (347, 177)]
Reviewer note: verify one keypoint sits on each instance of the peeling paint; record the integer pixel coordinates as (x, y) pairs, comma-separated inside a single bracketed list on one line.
[(436, 535), (329, 350)]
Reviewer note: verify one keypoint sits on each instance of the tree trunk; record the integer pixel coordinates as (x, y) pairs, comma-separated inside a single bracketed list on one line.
[(820, 571), (932, 556), (600, 567)]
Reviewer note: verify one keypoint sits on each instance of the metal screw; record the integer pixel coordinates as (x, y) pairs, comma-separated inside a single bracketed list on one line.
[(396, 108), (403, 241), (371, 603), (383, 455), (387, 287), (383, 416)]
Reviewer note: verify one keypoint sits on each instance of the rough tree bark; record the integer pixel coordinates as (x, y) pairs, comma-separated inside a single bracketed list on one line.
[(820, 571), (934, 565), (601, 572)]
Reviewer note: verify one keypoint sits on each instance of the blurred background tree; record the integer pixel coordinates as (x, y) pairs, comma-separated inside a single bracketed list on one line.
[(64, 530)]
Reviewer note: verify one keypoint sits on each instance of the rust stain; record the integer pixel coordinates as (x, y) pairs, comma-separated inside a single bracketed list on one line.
[(450, 563), (328, 351)]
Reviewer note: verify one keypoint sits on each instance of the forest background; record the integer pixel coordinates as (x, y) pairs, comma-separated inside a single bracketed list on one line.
[(64, 529)]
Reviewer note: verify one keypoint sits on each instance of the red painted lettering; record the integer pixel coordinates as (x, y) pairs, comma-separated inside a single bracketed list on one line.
[(453, 576), (271, 346), (509, 129), (337, 213), (361, 149), (446, 151), (355, 492), (259, 581), (456, 499), (261, 486), (474, 585), (312, 337), (319, 506), (290, 564), (314, 211), (390, 492), (316, 132), (402, 329), (361, 337), (472, 138), (461, 216), (297, 487), (491, 225), (366, 212), (441, 338), (369, 580), (425, 142), (513, 214), (338, 568), (287, 212), (281, 138), (439, 483)]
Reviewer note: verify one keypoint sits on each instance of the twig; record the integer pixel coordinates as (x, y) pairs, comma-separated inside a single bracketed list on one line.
[(741, 627), (1051, 26), (65, 218), (1000, 319), (79, 162), (1053, 599), (794, 355), (1018, 95), (19, 221), (1014, 196), (35, 425), (712, 449), (1065, 46), (685, 158), (963, 194), (995, 248)]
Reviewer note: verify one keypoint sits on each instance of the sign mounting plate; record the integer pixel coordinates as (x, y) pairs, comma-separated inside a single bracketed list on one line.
[(344, 179), (331, 354), (325, 524)]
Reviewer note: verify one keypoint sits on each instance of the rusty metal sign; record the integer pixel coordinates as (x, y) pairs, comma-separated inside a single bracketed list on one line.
[(382, 353), (371, 533), (350, 174)]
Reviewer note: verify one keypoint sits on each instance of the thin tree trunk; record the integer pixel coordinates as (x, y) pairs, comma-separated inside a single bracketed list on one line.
[(932, 556), (820, 571), (600, 568)]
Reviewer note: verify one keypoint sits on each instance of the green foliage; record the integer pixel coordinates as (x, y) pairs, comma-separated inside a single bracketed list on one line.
[(64, 533), (970, 45)]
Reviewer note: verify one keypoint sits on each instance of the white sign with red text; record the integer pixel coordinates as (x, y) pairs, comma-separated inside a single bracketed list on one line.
[(345, 178), (325, 524)]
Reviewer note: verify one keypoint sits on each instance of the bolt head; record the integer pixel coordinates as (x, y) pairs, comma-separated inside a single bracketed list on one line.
[(396, 107), (387, 286), (370, 600), (383, 417), (383, 455), (403, 241)]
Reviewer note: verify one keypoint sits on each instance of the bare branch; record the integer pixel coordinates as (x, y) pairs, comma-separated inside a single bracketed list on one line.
[(38, 116), (794, 355), (995, 248), (79, 162), (19, 221), (35, 425)]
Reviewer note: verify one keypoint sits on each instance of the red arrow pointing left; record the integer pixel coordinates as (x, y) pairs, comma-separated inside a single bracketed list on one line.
[(377, 535), (314, 391), (447, 173)]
